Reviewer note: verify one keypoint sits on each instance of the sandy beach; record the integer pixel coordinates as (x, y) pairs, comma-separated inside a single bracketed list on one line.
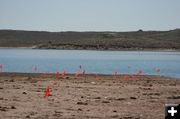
[(22, 95)]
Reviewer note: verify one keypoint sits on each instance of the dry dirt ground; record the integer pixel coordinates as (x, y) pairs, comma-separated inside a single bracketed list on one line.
[(22, 96)]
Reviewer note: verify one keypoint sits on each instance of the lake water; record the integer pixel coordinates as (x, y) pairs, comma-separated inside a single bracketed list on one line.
[(105, 62)]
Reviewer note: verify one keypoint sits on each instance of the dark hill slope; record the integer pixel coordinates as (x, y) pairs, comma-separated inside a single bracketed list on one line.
[(91, 40)]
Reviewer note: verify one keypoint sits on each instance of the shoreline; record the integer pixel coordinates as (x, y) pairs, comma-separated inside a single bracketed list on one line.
[(87, 74), (154, 50)]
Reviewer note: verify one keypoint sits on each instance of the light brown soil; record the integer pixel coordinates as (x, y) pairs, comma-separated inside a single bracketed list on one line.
[(22, 96)]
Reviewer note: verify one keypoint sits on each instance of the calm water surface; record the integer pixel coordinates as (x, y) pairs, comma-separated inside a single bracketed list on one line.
[(106, 62)]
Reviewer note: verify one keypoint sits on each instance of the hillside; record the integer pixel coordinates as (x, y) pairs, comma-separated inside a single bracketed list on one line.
[(137, 40)]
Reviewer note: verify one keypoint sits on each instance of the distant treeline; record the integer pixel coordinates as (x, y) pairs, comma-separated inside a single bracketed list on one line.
[(136, 40)]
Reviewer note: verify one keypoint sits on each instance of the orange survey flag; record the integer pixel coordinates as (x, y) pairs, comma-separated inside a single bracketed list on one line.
[(124, 77), (63, 73), (131, 75), (76, 73), (95, 76), (57, 74), (47, 92), (140, 71)]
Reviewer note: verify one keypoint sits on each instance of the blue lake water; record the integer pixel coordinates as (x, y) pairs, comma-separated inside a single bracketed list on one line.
[(105, 62)]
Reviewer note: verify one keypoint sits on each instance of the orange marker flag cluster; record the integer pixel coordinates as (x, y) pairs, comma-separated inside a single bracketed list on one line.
[(76, 74), (115, 74)]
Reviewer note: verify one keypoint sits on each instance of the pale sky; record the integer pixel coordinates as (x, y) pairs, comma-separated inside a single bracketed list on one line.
[(89, 15)]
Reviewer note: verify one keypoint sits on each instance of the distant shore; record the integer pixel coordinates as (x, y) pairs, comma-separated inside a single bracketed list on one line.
[(110, 41), (22, 95)]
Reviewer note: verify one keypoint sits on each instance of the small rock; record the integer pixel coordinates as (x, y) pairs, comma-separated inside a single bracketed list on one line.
[(12, 80), (67, 77), (24, 93), (27, 116), (3, 108), (58, 111), (105, 101), (12, 107), (133, 98), (172, 84), (82, 103), (57, 115), (79, 109), (150, 85), (97, 97), (174, 97), (120, 99)]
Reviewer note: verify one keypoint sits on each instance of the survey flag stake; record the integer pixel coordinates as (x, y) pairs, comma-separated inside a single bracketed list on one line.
[(95, 76), (57, 74), (47, 92), (84, 72), (63, 73), (115, 74), (131, 75), (80, 66), (137, 75), (140, 71), (76, 73), (124, 77), (34, 68)]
